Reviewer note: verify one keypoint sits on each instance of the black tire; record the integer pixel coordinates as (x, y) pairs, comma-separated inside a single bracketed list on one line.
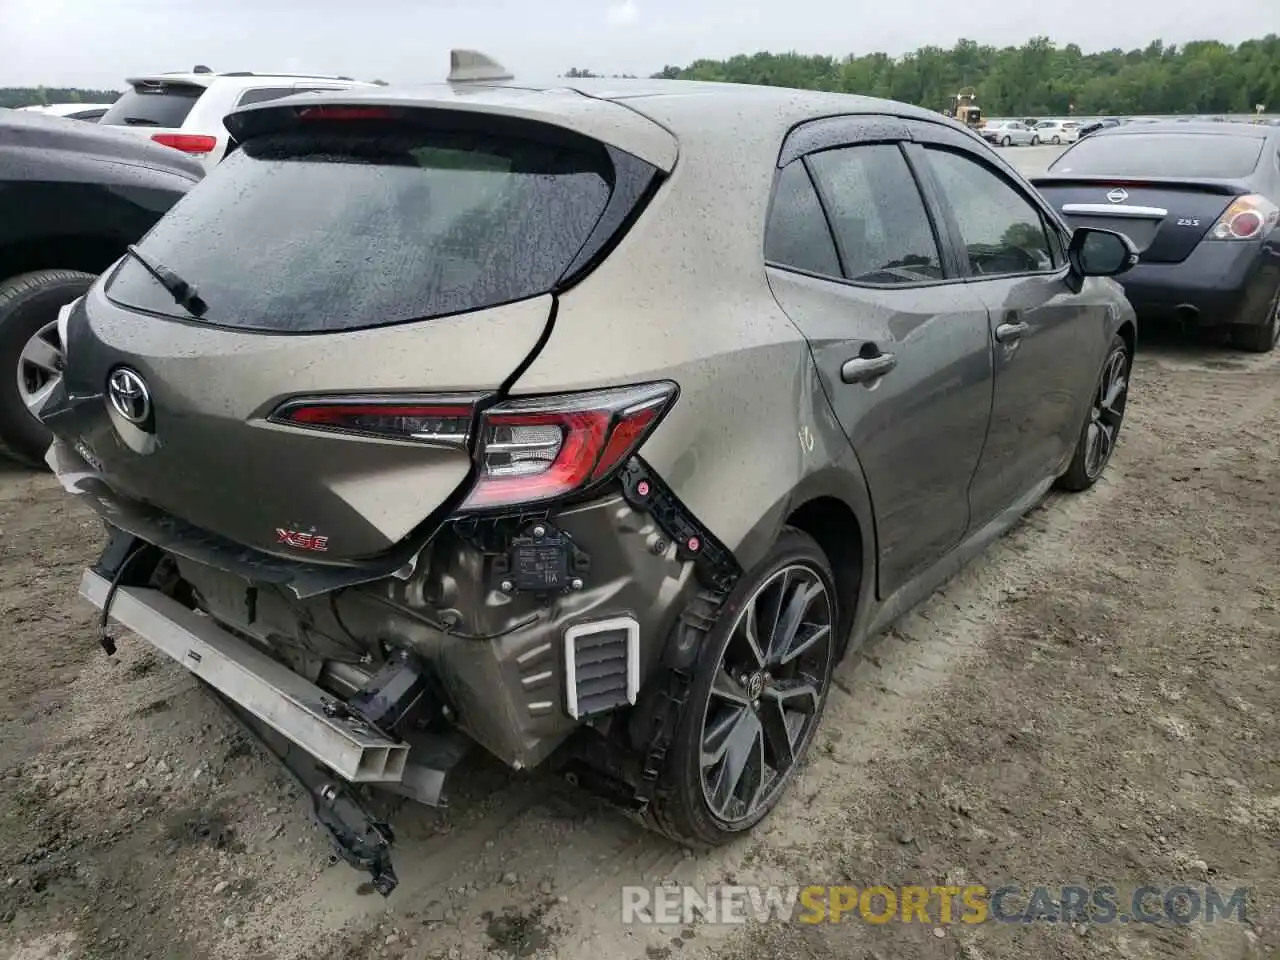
[(1086, 469), (680, 808), (1259, 337), (28, 302), (1056, 140), (1035, 141), (1007, 141)]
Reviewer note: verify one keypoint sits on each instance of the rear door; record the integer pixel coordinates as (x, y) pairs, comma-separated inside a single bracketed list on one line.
[(901, 344), (344, 263), (1047, 340)]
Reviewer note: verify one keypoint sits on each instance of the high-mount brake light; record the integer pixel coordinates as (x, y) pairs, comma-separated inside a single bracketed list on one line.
[(187, 142), (1248, 218), (444, 420), (540, 449), (337, 112)]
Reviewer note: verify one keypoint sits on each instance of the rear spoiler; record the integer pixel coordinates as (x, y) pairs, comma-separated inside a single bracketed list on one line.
[(1224, 188)]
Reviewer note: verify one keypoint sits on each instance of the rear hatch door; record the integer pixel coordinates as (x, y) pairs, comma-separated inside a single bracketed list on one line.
[(156, 108), (349, 261)]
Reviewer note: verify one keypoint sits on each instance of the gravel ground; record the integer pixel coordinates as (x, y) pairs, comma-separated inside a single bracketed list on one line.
[(1094, 700)]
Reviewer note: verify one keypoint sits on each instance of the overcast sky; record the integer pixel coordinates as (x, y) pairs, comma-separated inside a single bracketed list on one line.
[(96, 43)]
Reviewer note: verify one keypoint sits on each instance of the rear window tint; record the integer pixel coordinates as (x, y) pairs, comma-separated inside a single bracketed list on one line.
[(1162, 155), (162, 105), (352, 228)]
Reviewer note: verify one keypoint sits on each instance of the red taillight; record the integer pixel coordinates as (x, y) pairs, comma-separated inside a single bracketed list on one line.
[(529, 450), (446, 421), (187, 142), (333, 112), (1248, 218), (542, 449)]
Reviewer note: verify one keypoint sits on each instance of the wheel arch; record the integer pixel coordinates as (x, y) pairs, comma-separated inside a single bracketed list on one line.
[(833, 506), (1129, 333)]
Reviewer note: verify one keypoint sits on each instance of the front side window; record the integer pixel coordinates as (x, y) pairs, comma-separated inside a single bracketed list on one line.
[(877, 214), (1003, 232)]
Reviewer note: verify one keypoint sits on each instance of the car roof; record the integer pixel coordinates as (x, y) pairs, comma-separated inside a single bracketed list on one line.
[(31, 132), (207, 79), (1191, 128), (749, 118), (62, 109)]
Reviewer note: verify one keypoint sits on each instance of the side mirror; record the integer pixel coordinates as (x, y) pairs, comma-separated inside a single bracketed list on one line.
[(1101, 253)]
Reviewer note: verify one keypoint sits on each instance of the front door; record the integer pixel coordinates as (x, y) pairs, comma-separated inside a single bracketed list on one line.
[(902, 346), (1044, 335)]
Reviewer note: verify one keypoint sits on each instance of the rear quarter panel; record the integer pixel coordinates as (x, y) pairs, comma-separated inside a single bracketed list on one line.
[(685, 296)]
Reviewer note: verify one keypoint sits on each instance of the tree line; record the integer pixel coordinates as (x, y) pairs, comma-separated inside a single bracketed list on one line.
[(43, 96), (1038, 78)]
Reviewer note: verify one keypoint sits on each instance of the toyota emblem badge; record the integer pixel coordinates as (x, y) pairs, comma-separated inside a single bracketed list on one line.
[(128, 395)]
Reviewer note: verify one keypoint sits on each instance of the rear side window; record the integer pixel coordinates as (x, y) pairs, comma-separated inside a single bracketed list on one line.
[(878, 216), (153, 105), (1162, 155), (263, 94), (797, 235), (348, 226)]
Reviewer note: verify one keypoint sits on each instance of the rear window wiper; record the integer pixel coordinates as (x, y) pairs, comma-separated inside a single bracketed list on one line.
[(183, 293), (140, 122)]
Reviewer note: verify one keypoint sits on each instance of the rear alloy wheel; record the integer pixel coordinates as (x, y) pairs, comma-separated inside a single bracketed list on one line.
[(757, 697), (1263, 337), (1102, 428), (1056, 140), (31, 355), (1035, 141)]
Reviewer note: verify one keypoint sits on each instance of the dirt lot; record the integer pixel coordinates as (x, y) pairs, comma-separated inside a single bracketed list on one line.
[(1094, 700)]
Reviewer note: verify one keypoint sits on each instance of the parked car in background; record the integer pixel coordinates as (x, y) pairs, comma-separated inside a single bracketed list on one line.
[(72, 111), (185, 110), (1058, 131), (72, 197), (394, 454), (1200, 202), (1089, 127), (1009, 133)]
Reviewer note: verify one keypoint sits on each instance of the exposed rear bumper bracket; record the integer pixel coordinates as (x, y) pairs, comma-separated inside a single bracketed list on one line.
[(281, 699), (359, 838)]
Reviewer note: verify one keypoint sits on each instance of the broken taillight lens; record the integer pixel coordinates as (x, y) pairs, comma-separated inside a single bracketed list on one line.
[(544, 448)]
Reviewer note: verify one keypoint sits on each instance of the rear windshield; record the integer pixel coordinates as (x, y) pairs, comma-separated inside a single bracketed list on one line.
[(153, 105), (339, 229), (1162, 155)]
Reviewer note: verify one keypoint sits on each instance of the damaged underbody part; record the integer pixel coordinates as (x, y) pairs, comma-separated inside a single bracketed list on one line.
[(520, 632)]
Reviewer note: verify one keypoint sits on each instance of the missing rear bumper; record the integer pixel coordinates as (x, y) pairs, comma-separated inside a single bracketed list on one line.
[(284, 701)]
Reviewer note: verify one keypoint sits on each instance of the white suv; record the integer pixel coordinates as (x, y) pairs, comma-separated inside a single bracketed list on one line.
[(185, 110)]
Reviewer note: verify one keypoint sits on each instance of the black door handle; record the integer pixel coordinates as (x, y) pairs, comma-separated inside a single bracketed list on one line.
[(1009, 332), (863, 369)]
